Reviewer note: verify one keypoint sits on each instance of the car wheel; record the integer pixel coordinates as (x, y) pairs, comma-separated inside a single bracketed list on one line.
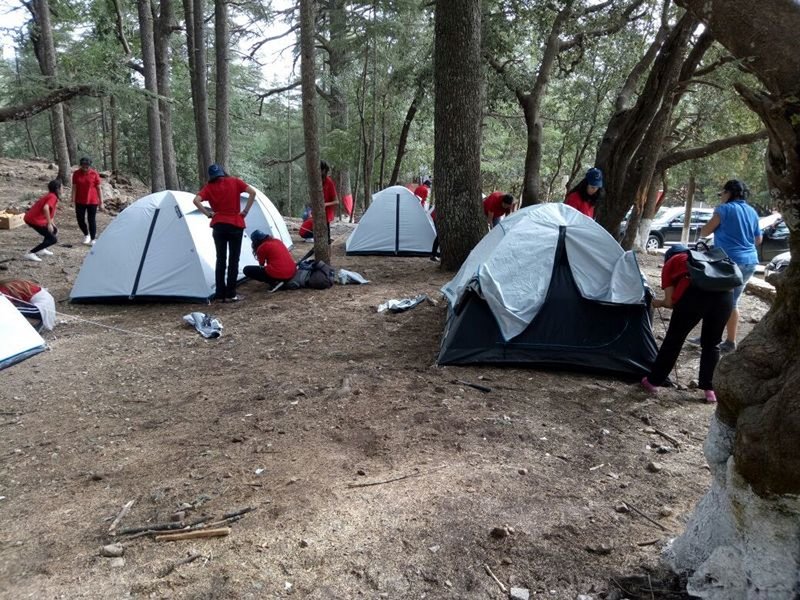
[(653, 243)]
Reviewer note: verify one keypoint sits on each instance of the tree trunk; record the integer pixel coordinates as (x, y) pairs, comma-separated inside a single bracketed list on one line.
[(687, 218), (196, 47), (322, 249), (151, 85), (419, 94), (69, 133), (457, 125), (114, 136), (163, 33), (46, 55), (222, 139)]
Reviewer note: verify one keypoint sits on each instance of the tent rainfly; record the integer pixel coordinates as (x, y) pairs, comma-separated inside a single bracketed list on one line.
[(549, 287), (18, 339), (161, 248), (395, 224)]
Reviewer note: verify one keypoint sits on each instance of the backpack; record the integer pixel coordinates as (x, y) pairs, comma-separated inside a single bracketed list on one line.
[(712, 270), (322, 276)]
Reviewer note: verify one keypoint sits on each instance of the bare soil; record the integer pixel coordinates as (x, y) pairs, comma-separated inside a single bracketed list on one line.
[(305, 395)]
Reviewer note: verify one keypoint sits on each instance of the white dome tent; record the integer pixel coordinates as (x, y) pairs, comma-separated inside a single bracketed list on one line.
[(18, 339)]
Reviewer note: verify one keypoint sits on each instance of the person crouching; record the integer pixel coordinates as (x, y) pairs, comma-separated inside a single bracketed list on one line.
[(276, 265)]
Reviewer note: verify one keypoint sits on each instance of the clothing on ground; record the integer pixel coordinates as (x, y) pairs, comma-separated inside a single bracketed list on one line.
[(206, 325), (86, 185), (224, 197), (35, 214)]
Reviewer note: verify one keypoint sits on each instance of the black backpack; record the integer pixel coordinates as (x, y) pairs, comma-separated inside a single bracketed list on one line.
[(322, 276), (711, 269)]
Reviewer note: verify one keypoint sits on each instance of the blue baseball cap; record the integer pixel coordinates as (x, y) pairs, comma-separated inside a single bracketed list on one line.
[(594, 177), (673, 250), (215, 171)]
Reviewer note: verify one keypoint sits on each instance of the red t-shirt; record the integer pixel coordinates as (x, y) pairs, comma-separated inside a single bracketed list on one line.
[(329, 195), (422, 192), (86, 185), (675, 274), (22, 290), (307, 229), (224, 196), (276, 259), (576, 201), (493, 205), (35, 214)]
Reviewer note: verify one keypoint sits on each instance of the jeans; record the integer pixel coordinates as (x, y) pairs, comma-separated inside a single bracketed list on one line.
[(228, 242), (747, 273), (82, 211), (713, 309), (259, 274), (49, 238)]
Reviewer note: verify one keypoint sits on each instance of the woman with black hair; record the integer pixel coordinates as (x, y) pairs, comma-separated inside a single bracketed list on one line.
[(585, 196), (275, 264), (41, 218)]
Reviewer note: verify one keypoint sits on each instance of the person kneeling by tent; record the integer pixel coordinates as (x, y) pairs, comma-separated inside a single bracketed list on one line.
[(690, 305), (33, 301), (276, 265)]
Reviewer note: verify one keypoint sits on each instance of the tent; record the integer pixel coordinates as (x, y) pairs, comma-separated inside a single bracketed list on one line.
[(549, 287), (18, 339), (161, 247), (394, 224)]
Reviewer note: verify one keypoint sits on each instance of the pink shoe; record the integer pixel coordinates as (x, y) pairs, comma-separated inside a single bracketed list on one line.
[(651, 389), (711, 397)]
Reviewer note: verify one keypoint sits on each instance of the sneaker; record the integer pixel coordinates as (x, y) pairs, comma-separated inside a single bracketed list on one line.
[(32, 256), (695, 341), (651, 389), (87, 240), (727, 346), (44, 252), (711, 397), (236, 298), (92, 242)]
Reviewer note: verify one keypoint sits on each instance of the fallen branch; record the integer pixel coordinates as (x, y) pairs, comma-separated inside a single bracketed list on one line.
[(155, 527), (393, 479), (137, 532), (477, 386), (238, 513), (488, 570), (669, 438), (193, 535), (641, 514), (184, 561), (647, 543), (125, 510)]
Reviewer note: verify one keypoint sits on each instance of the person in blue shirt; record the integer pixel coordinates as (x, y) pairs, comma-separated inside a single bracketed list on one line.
[(735, 228)]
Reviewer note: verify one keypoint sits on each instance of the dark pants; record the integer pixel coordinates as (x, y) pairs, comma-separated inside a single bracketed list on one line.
[(228, 242), (259, 274), (435, 248), (84, 211), (713, 309), (49, 238)]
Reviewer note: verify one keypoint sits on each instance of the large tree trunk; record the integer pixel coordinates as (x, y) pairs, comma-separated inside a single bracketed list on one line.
[(457, 121), (163, 31), (222, 140), (46, 55), (151, 85), (196, 47), (743, 534), (308, 69)]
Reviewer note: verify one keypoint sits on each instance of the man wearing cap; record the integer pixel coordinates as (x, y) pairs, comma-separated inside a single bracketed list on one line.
[(585, 196), (223, 194), (87, 197)]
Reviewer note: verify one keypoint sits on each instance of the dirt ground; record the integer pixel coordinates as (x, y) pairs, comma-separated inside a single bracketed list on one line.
[(305, 395)]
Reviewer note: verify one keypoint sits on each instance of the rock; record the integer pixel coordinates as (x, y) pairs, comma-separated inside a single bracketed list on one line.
[(517, 593), (584, 597), (304, 543), (522, 471), (663, 449), (622, 508), (499, 532), (178, 516), (601, 549), (112, 550), (693, 384), (505, 561), (361, 472), (654, 467), (666, 511), (117, 563)]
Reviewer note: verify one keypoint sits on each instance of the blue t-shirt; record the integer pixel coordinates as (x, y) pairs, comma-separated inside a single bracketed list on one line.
[(737, 231)]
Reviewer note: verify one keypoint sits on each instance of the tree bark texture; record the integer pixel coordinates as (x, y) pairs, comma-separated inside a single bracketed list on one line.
[(221, 38), (457, 124), (196, 47), (46, 54), (114, 136), (151, 85), (163, 32), (311, 129)]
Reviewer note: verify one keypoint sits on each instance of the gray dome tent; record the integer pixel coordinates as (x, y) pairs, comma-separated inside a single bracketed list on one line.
[(549, 287)]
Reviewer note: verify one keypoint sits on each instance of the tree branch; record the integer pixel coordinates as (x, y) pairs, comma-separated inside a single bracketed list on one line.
[(257, 46), (278, 90), (272, 162), (23, 111), (675, 158)]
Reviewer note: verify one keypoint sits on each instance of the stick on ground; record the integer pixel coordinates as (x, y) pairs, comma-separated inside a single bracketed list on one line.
[(125, 510), (488, 570), (193, 535), (184, 561), (669, 438), (641, 514), (393, 479)]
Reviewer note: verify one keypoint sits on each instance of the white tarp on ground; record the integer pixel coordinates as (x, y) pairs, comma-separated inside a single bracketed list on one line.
[(512, 265), (18, 339), (395, 223)]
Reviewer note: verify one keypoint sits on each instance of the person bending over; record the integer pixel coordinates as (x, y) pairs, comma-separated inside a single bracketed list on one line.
[(276, 265), (33, 301), (41, 218), (496, 206)]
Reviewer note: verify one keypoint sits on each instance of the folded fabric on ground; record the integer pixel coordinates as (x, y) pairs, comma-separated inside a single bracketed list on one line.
[(343, 277), (206, 325), (396, 305)]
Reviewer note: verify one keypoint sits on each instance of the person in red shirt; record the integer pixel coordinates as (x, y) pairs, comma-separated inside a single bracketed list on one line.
[(690, 305), (307, 229), (422, 191), (496, 206), (88, 199), (276, 265), (41, 218), (33, 301), (329, 195), (585, 196), (223, 193)]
